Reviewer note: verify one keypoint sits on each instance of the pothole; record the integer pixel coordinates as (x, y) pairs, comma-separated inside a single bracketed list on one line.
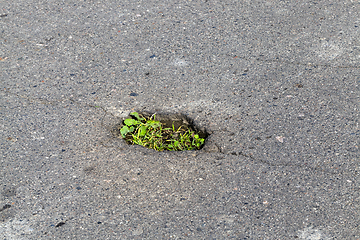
[(162, 131)]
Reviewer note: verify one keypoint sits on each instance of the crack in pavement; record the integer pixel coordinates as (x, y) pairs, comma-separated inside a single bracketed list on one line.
[(308, 168)]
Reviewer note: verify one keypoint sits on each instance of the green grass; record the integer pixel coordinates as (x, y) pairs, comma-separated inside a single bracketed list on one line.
[(150, 133)]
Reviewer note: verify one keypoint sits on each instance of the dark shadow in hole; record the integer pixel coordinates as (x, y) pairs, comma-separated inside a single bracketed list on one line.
[(6, 206), (59, 224)]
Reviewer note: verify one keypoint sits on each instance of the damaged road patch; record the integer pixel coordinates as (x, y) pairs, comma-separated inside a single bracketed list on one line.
[(171, 132)]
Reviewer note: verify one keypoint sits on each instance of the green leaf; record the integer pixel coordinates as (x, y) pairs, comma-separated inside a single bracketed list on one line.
[(130, 122), (142, 131), (124, 130), (136, 115), (154, 124)]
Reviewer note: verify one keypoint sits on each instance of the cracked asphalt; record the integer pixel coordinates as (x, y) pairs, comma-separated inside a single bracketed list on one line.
[(276, 83)]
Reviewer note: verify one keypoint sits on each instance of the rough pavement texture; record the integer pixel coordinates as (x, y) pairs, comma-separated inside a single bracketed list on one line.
[(275, 82)]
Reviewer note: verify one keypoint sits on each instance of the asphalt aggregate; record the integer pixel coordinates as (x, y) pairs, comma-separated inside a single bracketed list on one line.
[(275, 83)]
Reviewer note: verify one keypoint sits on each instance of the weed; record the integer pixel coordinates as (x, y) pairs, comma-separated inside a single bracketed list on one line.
[(150, 133)]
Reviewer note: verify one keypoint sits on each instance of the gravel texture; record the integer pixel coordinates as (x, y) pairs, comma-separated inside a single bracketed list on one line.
[(276, 83)]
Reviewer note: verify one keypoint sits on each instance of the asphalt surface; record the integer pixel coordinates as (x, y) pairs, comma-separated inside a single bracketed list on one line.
[(276, 83)]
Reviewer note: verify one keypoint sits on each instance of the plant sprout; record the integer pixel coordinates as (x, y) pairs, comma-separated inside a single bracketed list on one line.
[(150, 133)]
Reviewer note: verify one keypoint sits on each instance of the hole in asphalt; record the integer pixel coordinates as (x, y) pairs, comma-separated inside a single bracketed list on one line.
[(6, 206), (59, 224), (162, 131)]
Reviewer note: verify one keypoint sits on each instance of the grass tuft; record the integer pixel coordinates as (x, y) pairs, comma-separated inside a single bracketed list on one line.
[(150, 133)]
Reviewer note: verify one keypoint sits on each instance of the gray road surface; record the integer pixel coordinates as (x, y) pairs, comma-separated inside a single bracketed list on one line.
[(275, 82)]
